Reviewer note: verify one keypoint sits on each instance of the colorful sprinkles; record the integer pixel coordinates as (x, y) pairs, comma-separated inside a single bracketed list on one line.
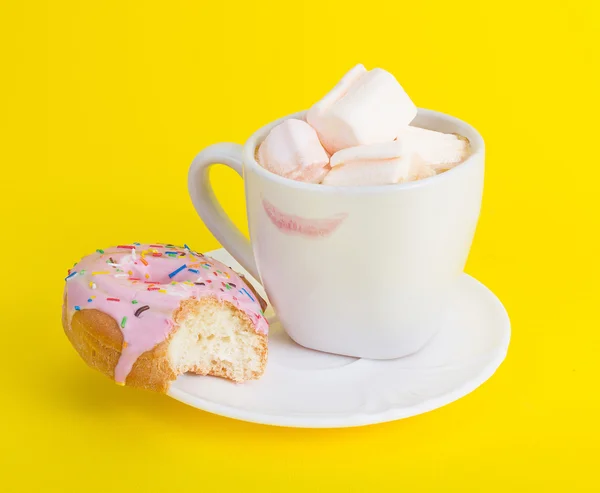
[(177, 271), (243, 290), (141, 310)]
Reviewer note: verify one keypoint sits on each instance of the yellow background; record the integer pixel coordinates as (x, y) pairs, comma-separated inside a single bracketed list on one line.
[(105, 103)]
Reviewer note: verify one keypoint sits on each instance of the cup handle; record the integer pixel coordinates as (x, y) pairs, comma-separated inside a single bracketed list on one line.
[(209, 209)]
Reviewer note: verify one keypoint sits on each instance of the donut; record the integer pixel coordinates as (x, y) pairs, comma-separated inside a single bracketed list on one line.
[(145, 313)]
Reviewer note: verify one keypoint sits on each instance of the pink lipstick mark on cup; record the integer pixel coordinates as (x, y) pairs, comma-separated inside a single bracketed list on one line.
[(296, 225)]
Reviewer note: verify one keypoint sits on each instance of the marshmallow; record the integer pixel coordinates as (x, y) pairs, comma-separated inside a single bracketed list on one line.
[(376, 164), (292, 149), (419, 169), (437, 150), (363, 108)]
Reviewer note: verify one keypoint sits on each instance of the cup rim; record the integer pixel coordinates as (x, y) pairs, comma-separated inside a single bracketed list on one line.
[(475, 139)]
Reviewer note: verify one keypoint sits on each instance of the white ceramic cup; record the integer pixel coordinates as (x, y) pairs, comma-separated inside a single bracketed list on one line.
[(359, 271)]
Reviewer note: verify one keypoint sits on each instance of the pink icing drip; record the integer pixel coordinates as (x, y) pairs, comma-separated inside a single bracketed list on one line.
[(127, 282)]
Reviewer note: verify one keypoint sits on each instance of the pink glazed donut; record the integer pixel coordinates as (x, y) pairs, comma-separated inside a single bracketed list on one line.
[(144, 314)]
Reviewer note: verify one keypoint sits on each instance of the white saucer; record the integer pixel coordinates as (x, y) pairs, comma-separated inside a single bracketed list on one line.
[(310, 389)]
